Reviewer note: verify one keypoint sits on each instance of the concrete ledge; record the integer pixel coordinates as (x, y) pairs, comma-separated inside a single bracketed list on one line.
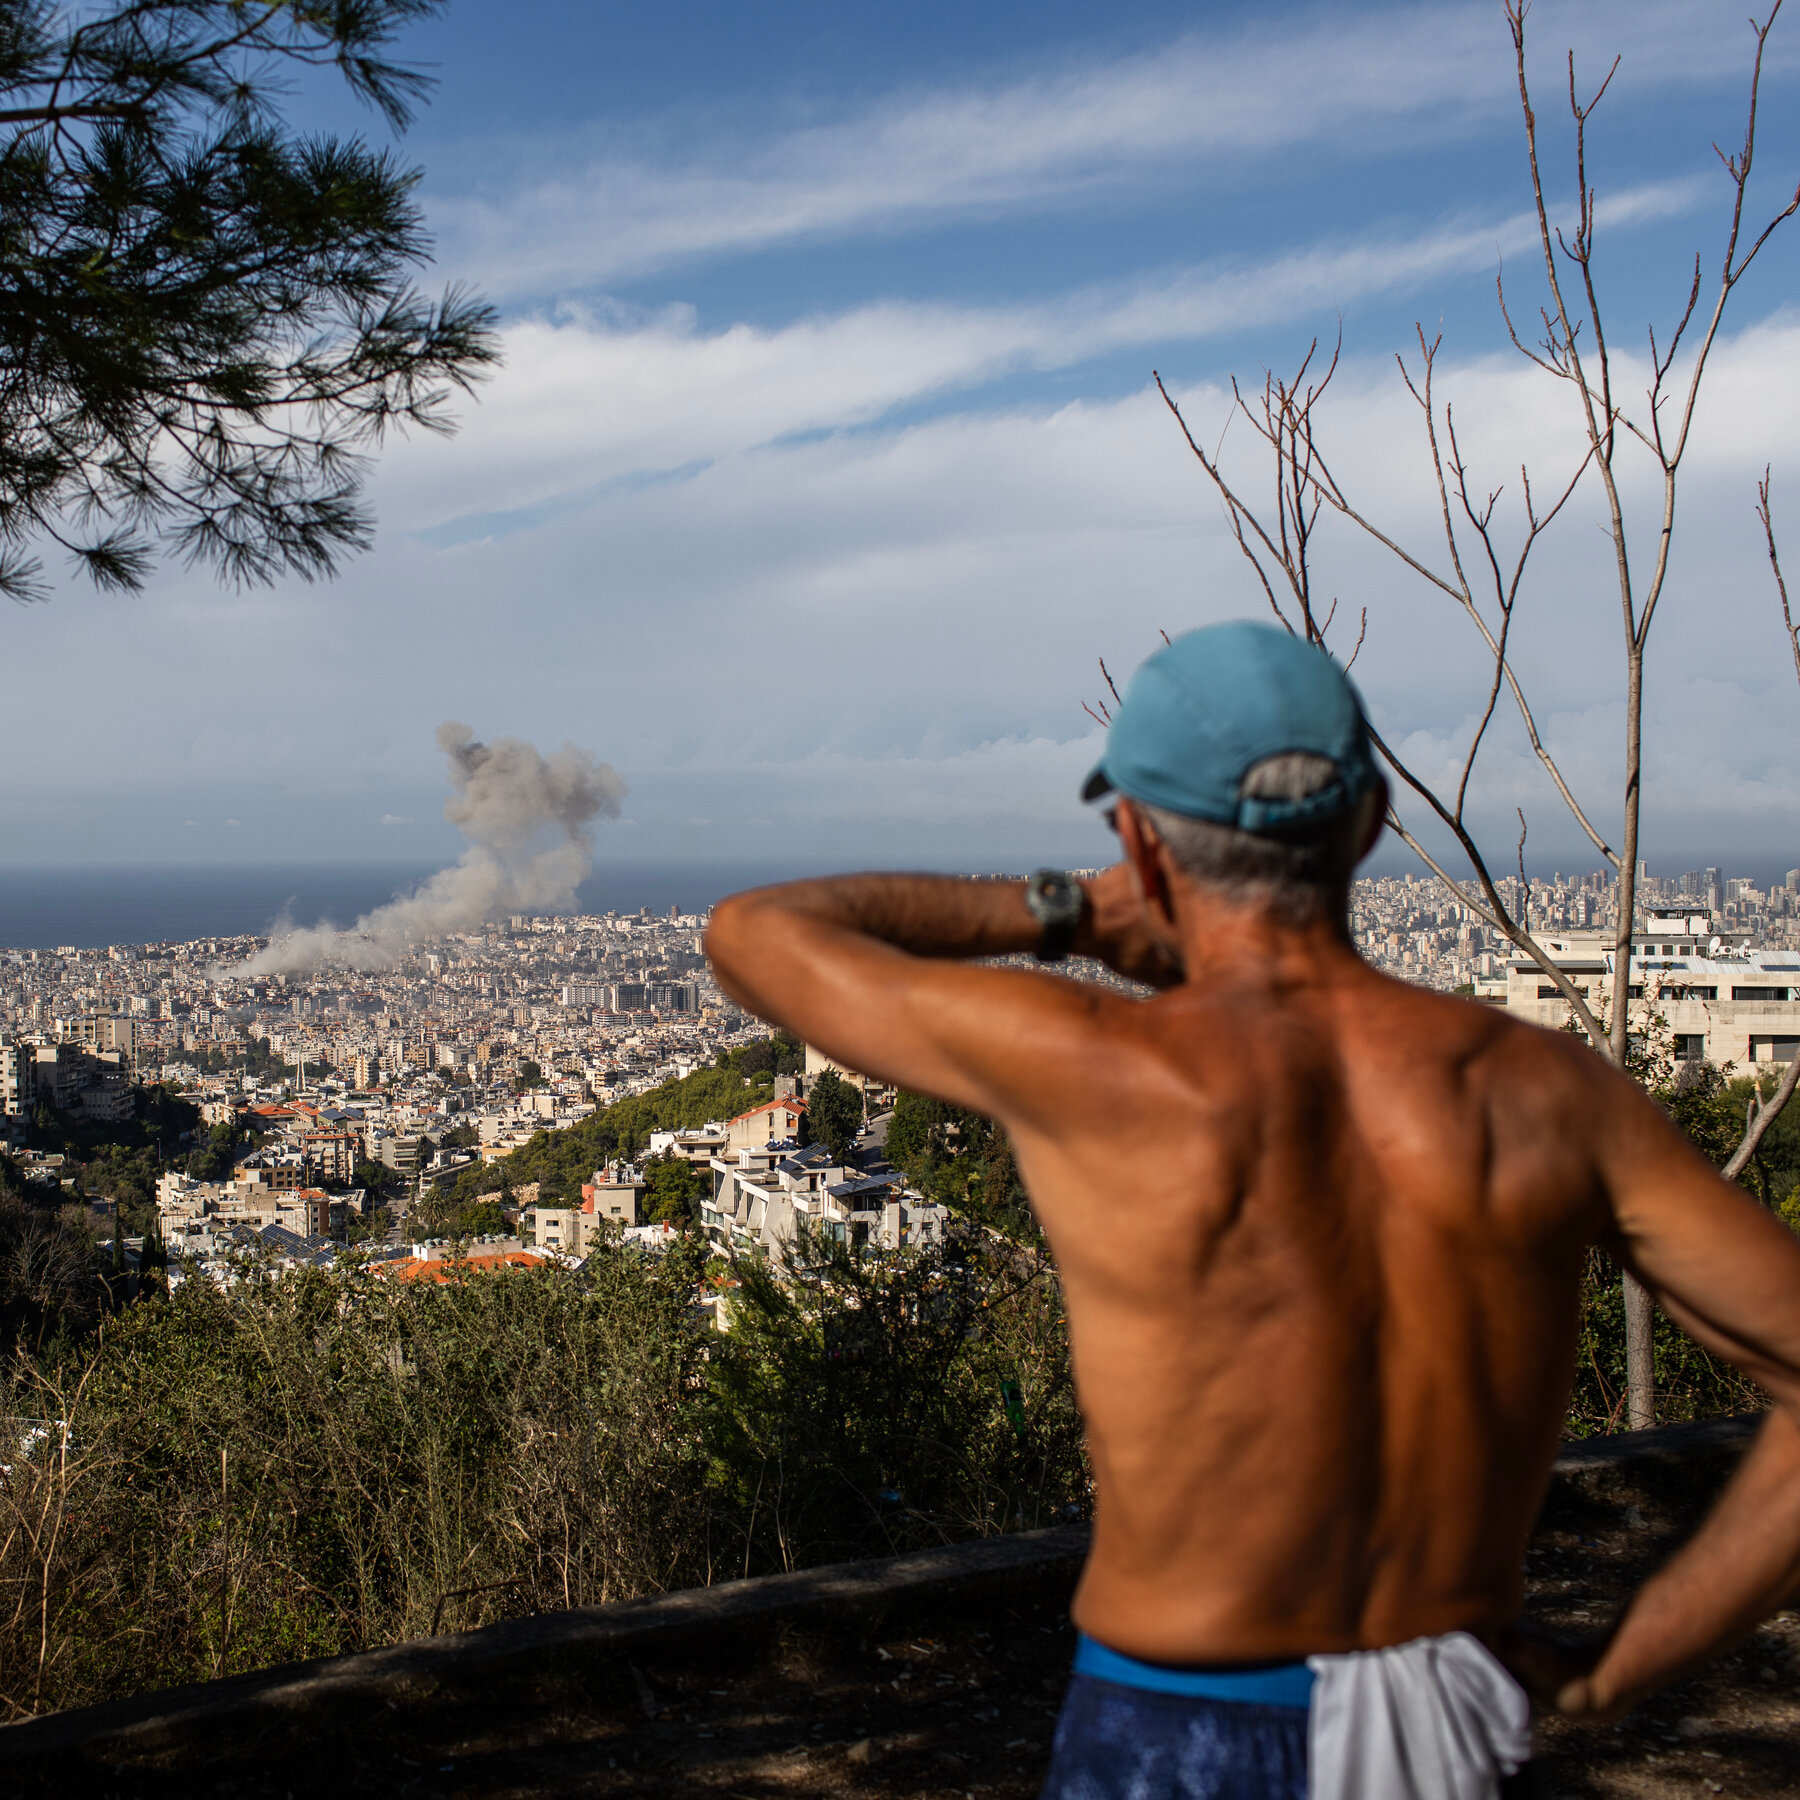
[(1666, 1444), (429, 1669), (423, 1666)]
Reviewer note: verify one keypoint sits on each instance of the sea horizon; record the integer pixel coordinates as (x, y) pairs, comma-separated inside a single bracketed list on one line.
[(90, 906)]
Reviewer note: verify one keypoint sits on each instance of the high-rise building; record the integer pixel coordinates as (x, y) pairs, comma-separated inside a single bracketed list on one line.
[(18, 1077)]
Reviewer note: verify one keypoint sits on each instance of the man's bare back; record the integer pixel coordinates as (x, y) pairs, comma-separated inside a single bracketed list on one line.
[(1285, 1240)]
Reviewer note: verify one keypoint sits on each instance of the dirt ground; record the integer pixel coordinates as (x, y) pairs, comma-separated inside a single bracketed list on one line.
[(914, 1717), (960, 1702)]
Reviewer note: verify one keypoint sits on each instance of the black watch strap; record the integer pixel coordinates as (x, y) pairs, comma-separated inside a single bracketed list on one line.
[(1057, 903)]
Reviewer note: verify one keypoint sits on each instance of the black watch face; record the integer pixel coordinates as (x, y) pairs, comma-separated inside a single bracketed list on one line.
[(1057, 896)]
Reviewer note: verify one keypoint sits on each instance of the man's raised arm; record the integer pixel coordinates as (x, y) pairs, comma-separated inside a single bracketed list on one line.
[(858, 965)]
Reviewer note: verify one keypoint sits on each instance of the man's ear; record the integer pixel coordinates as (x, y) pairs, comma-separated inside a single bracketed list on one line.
[(1147, 854), (1375, 820)]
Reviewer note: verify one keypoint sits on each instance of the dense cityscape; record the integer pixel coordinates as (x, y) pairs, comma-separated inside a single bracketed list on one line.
[(347, 1098), (471, 1327), (609, 1004), (1413, 927)]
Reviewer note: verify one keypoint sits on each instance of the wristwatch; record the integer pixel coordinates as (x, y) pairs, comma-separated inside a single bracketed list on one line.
[(1057, 903)]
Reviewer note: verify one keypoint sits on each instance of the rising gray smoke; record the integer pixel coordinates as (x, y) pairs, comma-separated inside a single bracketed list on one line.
[(526, 817)]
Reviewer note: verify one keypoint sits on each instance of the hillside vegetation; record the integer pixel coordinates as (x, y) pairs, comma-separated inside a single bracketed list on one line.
[(560, 1161), (321, 1462)]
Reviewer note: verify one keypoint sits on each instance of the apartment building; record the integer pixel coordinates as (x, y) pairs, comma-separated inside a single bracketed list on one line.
[(612, 1201), (762, 1198), (1719, 999), (775, 1121), (100, 1032), (700, 1144), (330, 1155), (18, 1078), (817, 1062), (616, 1194), (106, 1095)]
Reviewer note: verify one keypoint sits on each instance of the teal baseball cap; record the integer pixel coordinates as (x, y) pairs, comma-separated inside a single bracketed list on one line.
[(1205, 709)]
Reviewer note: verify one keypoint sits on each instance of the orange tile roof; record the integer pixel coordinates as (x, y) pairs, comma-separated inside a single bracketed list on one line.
[(792, 1105), (445, 1268)]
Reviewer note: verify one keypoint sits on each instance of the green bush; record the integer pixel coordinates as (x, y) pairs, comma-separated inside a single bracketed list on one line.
[(860, 1407), (1690, 1384)]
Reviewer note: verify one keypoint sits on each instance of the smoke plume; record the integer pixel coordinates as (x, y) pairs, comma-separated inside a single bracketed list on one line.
[(526, 817)]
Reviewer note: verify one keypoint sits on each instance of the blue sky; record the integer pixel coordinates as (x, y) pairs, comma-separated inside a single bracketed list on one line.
[(825, 461)]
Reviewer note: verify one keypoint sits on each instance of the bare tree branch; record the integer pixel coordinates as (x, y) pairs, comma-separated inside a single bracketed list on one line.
[(1524, 885), (1767, 1112), (1765, 1115), (1768, 525)]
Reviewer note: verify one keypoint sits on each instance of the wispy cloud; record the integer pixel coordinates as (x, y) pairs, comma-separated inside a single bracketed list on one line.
[(591, 406), (1225, 107)]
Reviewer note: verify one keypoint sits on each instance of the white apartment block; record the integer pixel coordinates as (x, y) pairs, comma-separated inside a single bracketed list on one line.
[(1720, 1000), (761, 1198), (699, 1144)]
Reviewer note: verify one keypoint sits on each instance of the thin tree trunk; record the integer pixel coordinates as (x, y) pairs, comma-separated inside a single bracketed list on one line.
[(1640, 1342), (1640, 1356)]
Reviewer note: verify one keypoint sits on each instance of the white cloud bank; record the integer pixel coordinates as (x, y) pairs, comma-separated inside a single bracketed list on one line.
[(737, 564)]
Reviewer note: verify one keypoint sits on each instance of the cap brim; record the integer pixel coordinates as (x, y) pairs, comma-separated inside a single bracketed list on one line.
[(1097, 783)]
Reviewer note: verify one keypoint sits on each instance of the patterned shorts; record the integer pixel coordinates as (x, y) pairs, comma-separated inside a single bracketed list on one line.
[(1122, 1743)]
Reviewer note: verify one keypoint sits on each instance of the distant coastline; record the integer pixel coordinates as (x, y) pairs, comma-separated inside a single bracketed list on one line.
[(88, 907)]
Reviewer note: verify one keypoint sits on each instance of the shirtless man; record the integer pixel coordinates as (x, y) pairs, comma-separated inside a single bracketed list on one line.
[(1321, 1237)]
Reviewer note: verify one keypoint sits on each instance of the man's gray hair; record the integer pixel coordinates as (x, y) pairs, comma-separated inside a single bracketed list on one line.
[(1302, 872)]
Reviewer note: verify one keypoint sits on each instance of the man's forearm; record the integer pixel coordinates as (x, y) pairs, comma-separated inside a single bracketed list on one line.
[(1741, 1565), (925, 915), (944, 916)]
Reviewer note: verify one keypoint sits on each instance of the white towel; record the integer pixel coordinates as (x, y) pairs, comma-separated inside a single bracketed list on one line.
[(1437, 1719)]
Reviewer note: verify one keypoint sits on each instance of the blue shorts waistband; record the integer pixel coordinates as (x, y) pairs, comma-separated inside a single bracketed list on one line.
[(1277, 1684)]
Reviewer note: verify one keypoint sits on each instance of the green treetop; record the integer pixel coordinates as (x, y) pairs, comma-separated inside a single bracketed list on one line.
[(834, 1113), (205, 318)]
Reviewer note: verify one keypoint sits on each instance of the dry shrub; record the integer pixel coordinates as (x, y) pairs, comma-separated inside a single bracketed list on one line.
[(322, 1462)]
